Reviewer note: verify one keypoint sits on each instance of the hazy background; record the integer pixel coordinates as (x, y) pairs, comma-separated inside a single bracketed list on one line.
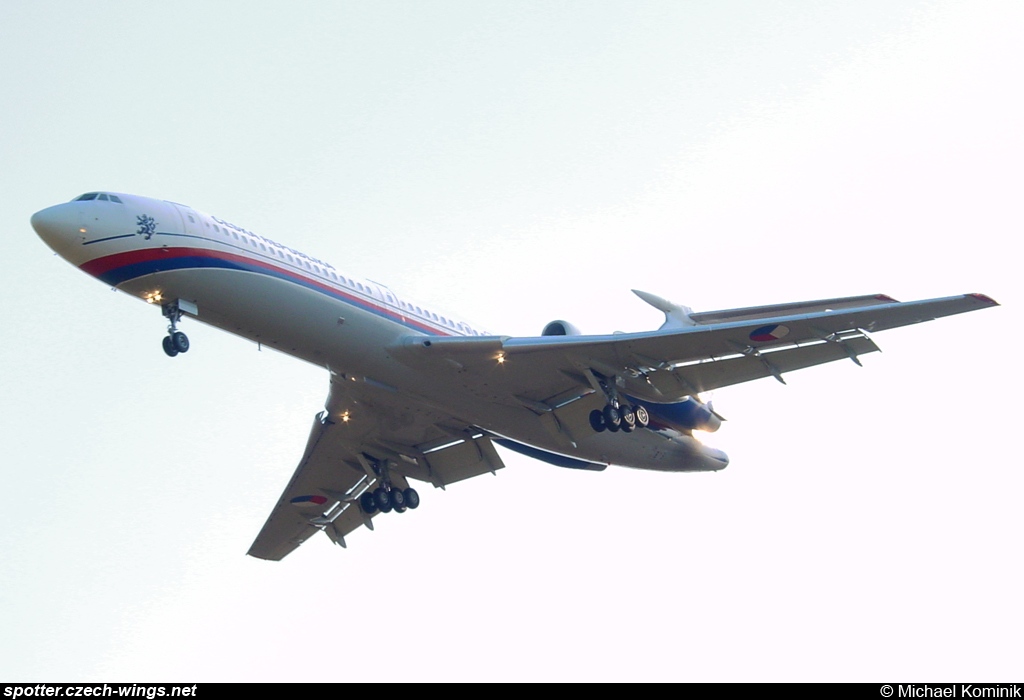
[(514, 163)]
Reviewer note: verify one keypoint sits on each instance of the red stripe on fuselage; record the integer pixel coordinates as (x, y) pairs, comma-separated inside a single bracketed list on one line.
[(100, 266)]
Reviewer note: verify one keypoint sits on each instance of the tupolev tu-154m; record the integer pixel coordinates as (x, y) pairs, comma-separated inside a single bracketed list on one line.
[(419, 395)]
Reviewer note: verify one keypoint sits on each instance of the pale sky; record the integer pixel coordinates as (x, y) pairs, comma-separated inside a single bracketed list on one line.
[(515, 163)]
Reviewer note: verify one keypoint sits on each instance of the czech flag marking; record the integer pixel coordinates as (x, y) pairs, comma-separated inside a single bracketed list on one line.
[(766, 334), (309, 500)]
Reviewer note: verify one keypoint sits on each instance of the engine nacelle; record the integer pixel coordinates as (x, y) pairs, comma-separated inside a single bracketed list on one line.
[(560, 328)]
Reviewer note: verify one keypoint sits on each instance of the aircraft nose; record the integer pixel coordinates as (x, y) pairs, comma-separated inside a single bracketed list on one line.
[(56, 225)]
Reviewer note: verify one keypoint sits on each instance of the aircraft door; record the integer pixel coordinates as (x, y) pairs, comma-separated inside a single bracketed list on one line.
[(190, 220)]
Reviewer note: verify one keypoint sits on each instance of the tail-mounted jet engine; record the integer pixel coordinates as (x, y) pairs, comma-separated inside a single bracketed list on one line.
[(560, 328)]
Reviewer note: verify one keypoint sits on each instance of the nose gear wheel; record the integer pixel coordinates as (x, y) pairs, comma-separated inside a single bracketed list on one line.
[(175, 341)]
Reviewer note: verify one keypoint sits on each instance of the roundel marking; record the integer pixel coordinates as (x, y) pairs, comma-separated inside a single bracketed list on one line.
[(309, 500), (766, 334)]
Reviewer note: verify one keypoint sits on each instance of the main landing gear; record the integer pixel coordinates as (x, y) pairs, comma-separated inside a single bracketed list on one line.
[(386, 497), (389, 498), (615, 417), (175, 341)]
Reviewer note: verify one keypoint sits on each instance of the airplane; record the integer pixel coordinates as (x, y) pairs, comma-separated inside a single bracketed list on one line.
[(419, 395)]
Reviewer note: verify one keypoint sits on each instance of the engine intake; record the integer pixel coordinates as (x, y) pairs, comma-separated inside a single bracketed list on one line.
[(560, 328)]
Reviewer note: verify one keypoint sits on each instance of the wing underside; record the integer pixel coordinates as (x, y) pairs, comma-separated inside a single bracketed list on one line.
[(354, 447), (668, 365)]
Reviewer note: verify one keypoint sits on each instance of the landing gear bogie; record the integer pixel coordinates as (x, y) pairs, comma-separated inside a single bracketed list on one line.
[(615, 417), (387, 498)]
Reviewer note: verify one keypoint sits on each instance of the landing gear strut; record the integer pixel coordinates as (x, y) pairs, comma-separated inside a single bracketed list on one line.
[(386, 497), (616, 415), (175, 341)]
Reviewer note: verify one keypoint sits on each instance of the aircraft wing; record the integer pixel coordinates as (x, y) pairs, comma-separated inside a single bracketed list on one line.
[(363, 437), (548, 372)]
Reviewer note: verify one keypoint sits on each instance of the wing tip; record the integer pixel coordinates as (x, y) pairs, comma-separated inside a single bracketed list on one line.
[(263, 556), (984, 298)]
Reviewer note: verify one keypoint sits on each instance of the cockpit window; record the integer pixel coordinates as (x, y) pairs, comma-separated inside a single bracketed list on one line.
[(100, 196)]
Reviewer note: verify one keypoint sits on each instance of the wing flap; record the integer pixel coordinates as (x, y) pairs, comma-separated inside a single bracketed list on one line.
[(739, 367), (472, 456)]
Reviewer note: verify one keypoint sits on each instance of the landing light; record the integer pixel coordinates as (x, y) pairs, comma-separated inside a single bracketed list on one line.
[(81, 230), (345, 418), (501, 358), (155, 297), (705, 438)]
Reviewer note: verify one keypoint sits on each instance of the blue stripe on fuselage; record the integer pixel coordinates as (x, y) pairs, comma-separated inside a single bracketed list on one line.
[(126, 273)]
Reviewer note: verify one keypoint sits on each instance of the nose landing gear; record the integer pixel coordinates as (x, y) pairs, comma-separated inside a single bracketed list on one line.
[(175, 341)]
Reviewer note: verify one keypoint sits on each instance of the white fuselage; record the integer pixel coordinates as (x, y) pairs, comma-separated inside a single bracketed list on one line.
[(240, 282)]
